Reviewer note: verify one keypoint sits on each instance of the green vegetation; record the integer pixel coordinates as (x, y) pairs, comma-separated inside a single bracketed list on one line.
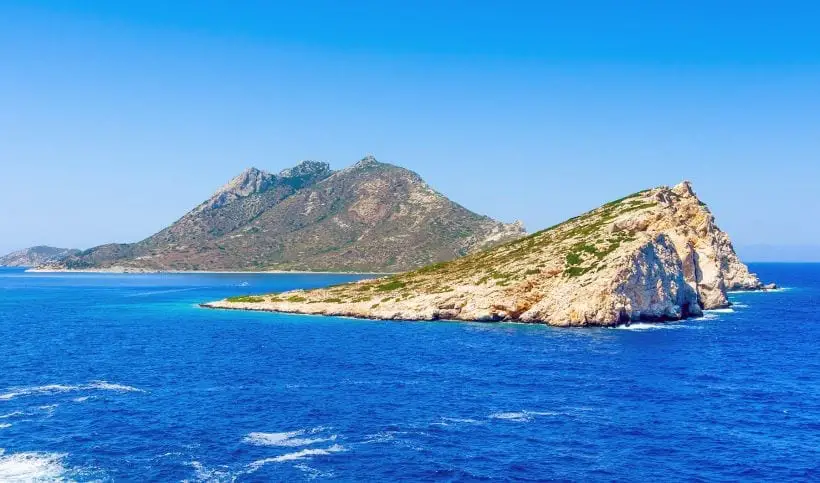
[(246, 298), (390, 286), (295, 298), (573, 258)]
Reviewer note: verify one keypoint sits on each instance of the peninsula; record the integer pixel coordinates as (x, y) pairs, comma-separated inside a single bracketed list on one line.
[(656, 255)]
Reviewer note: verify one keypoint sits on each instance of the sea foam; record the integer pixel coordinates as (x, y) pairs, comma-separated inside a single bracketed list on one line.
[(31, 466), (287, 439), (296, 455), (62, 388), (647, 326)]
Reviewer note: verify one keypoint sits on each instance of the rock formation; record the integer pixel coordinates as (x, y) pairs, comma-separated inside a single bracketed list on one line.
[(655, 255), (369, 217)]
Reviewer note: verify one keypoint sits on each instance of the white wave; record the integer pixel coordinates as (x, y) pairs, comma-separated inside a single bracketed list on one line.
[(738, 305), (11, 414), (542, 413), (380, 437), (520, 416), (203, 473), (31, 466), (110, 386), (751, 292), (296, 455), (5, 425), (48, 409), (287, 439), (61, 388), (646, 326), (727, 310), (81, 399), (460, 420), (313, 473), (512, 416)]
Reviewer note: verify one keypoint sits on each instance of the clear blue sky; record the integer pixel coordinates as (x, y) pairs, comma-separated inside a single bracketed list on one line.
[(118, 117)]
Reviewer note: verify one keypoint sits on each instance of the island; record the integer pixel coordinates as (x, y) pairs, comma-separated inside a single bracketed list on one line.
[(655, 255)]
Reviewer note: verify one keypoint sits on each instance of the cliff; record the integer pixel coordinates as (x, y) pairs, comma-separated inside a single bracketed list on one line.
[(654, 255)]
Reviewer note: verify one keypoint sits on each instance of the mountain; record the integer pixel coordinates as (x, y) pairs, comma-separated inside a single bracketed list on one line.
[(654, 255), (34, 256), (371, 216)]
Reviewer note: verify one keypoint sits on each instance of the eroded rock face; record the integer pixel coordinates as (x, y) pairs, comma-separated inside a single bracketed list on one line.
[(656, 255)]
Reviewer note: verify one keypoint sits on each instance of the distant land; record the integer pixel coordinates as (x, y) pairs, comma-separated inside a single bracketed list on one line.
[(652, 256), (34, 256), (370, 217)]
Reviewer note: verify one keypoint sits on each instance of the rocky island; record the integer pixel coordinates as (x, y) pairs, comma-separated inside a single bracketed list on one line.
[(656, 255)]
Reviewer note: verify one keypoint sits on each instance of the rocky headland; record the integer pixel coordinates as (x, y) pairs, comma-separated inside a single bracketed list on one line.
[(656, 255)]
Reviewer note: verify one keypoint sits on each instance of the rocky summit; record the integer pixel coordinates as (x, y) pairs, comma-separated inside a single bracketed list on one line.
[(371, 216), (34, 256), (655, 255)]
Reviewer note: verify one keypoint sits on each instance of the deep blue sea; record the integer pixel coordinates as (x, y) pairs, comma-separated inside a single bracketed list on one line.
[(123, 377)]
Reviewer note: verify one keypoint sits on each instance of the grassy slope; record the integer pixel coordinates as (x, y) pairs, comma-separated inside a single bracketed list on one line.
[(570, 249)]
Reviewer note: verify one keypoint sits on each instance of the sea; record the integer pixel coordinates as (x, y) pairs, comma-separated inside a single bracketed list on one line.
[(123, 377)]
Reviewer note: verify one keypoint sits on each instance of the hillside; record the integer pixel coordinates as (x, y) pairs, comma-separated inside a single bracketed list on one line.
[(371, 216), (653, 255), (34, 256)]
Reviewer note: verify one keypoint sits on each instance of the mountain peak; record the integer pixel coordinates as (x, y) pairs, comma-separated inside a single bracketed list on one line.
[(249, 181), (368, 160), (684, 189), (306, 168)]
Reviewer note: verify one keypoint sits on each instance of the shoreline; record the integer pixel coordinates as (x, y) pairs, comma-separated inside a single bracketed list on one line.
[(215, 305), (121, 271)]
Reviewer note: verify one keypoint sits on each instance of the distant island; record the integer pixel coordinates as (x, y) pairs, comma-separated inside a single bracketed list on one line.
[(370, 217), (656, 255), (35, 256)]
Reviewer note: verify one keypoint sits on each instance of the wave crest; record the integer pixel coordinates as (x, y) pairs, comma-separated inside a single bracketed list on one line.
[(48, 389)]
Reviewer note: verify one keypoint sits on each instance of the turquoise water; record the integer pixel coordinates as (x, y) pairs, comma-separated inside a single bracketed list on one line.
[(123, 377)]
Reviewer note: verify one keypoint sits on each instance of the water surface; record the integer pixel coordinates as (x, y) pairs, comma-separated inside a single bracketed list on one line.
[(123, 377)]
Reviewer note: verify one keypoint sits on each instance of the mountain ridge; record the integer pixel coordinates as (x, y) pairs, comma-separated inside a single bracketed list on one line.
[(371, 216)]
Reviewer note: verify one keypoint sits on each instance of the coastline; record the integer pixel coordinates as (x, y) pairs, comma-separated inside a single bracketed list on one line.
[(224, 304), (227, 272), (246, 307)]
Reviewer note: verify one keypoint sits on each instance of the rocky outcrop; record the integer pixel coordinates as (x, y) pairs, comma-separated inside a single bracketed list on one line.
[(371, 216), (655, 255), (34, 256)]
